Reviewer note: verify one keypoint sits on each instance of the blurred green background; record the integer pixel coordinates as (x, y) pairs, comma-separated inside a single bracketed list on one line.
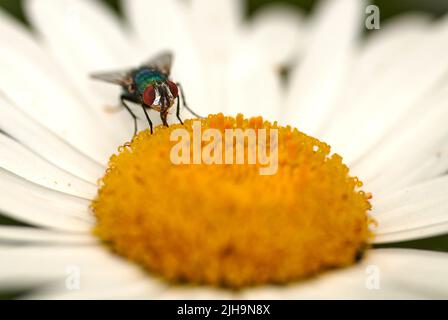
[(388, 9)]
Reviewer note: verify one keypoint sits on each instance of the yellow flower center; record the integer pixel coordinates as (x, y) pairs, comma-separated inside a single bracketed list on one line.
[(225, 224)]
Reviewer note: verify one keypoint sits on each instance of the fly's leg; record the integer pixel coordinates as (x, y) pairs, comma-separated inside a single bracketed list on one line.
[(184, 103), (124, 98), (147, 118), (178, 111)]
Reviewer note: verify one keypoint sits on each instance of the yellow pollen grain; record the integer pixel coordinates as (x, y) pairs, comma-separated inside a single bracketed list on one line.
[(227, 225)]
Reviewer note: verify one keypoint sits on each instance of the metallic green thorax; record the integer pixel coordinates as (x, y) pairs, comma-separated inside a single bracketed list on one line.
[(145, 77)]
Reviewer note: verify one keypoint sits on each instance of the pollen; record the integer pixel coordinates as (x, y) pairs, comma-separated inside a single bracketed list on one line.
[(227, 225)]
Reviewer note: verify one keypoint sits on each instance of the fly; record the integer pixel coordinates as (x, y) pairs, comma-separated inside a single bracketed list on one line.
[(149, 85)]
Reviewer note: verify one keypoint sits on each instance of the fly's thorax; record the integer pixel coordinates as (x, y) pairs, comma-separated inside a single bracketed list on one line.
[(146, 77)]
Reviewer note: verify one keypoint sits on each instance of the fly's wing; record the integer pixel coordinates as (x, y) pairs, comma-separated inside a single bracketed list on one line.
[(122, 78), (162, 62)]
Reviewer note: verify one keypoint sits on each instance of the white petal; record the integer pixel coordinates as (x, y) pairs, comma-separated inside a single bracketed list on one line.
[(104, 288), (46, 144), (215, 32), (216, 26), (402, 274), (425, 231), (316, 82), (381, 48), (49, 101), (425, 270), (411, 143), (254, 86), (414, 212), (34, 204), (15, 35), (202, 293), (375, 59), (21, 161), (254, 72), (393, 94), (27, 235), (277, 32), (423, 277), (27, 266), (435, 165), (268, 43), (189, 71), (85, 37), (430, 190), (158, 24), (171, 30)]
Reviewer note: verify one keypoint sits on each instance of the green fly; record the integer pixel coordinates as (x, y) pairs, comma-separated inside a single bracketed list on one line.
[(148, 85)]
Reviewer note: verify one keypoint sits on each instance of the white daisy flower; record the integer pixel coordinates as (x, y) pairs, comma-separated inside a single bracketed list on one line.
[(380, 103)]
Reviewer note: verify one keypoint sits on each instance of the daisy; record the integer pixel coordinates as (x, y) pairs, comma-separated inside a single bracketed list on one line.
[(379, 103)]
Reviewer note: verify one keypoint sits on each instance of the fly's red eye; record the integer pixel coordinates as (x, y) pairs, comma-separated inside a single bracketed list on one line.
[(173, 88), (149, 95)]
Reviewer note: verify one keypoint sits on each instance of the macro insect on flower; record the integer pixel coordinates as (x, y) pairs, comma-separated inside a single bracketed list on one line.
[(148, 85)]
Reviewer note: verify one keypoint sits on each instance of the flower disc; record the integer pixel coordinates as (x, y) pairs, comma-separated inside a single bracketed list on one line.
[(225, 224)]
